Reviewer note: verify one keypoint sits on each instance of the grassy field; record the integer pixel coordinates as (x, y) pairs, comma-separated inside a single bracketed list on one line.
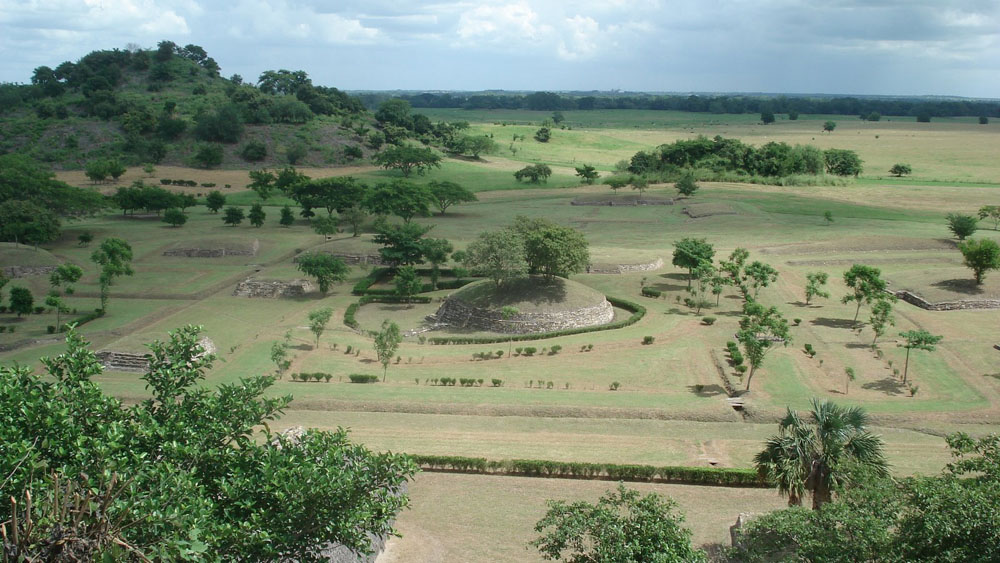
[(670, 407)]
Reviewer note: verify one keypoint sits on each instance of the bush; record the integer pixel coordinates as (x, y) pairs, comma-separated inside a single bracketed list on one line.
[(208, 156), (647, 340), (810, 350), (254, 151), (39, 310), (709, 321), (363, 378), (555, 350), (614, 386), (165, 181), (51, 329), (530, 351), (497, 382), (796, 322), (650, 292)]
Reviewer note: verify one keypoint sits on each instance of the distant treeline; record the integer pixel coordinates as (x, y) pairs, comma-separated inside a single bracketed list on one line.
[(719, 104)]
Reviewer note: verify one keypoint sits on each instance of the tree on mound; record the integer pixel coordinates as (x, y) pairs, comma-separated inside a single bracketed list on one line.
[(497, 255), (325, 268), (551, 249), (402, 244), (690, 253)]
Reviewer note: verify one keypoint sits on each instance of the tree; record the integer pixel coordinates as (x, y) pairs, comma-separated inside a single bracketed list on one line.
[(881, 318), (733, 267), (917, 340), (843, 162), (760, 329), (407, 282), (208, 155), (326, 268), (243, 493), (400, 198), (992, 212), (27, 222), (622, 526), (983, 120), (759, 275), (981, 256), (555, 250), (639, 183), (497, 255), (472, 145), (21, 300), (829, 126), (262, 182), (686, 185), (287, 218), (334, 193), (900, 169), (558, 117), (174, 217), (690, 253), (318, 320), (436, 251), (356, 216), (215, 201), (394, 111), (828, 217), (534, 173), (387, 341), (767, 117), (587, 173), (402, 244), (114, 257), (85, 238), (23, 179), (617, 182), (61, 280), (233, 215), (257, 215), (815, 282), (445, 194), (279, 355), (543, 135), (866, 285), (704, 275), (97, 170), (508, 312), (407, 159), (961, 225), (811, 456)]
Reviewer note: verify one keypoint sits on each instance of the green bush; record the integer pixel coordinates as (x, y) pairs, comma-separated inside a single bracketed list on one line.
[(555, 350), (650, 292), (530, 350), (646, 340), (614, 386), (253, 151), (497, 382), (363, 378), (708, 321)]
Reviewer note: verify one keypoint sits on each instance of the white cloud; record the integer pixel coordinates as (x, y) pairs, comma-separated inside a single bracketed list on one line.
[(282, 20), (502, 24)]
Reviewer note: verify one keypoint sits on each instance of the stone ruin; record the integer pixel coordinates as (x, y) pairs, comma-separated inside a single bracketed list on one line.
[(219, 252), (139, 363), (353, 259), (625, 268), (964, 304), (26, 271), (270, 289), (456, 313)]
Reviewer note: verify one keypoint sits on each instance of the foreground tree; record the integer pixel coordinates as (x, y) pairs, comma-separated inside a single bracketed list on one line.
[(917, 340), (689, 253), (761, 329), (445, 194), (866, 285), (407, 159), (815, 284), (497, 255), (810, 456), (980, 256), (991, 212), (961, 225), (318, 320), (402, 245), (387, 341), (114, 257), (326, 268), (623, 526), (181, 475)]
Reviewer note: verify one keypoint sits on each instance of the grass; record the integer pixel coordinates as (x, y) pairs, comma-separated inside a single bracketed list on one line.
[(531, 294)]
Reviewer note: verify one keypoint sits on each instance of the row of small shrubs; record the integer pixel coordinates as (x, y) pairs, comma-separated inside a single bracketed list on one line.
[(727, 477), (306, 377), (363, 378), (488, 355), (638, 312), (650, 292), (378, 275), (5, 328), (188, 183)]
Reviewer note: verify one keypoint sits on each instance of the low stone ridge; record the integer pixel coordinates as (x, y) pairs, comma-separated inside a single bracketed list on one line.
[(270, 289), (621, 202), (139, 363), (457, 313), (214, 252), (965, 304), (625, 268), (353, 259), (27, 271)]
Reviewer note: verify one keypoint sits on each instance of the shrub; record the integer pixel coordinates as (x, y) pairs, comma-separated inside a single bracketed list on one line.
[(497, 382), (518, 350), (590, 347), (740, 369), (253, 151), (3, 328), (650, 292), (363, 378), (165, 181), (646, 340), (499, 354), (614, 386), (737, 358), (549, 385), (39, 310), (51, 329), (708, 321), (208, 156), (530, 350), (797, 322), (555, 350)]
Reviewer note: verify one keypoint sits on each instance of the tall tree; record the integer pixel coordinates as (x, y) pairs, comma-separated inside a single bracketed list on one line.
[(555, 250), (407, 282), (405, 200), (690, 253), (815, 283), (917, 340), (436, 251), (387, 341), (881, 318), (761, 329), (962, 225), (114, 257), (445, 194), (326, 268), (980, 256), (866, 285), (62, 280), (811, 456), (318, 320), (407, 159), (497, 255), (686, 185), (401, 244), (21, 300), (759, 275)]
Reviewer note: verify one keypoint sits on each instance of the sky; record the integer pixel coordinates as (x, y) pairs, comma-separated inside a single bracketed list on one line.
[(871, 47)]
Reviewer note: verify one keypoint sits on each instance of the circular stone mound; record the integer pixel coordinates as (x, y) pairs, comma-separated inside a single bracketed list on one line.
[(543, 306)]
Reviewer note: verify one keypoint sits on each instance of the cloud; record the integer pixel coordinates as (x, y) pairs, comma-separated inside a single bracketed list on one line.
[(295, 22)]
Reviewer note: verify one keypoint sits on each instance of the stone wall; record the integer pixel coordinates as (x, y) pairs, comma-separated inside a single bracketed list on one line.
[(914, 299), (353, 259), (270, 289), (139, 363), (622, 203), (624, 268), (214, 252), (26, 271), (456, 313)]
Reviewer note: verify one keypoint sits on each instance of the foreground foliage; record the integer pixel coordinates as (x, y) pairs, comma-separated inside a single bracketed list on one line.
[(179, 475)]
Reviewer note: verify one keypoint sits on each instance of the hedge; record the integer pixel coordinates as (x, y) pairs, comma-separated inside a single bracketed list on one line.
[(382, 273), (650, 292), (715, 476), (638, 312), (363, 378), (352, 309)]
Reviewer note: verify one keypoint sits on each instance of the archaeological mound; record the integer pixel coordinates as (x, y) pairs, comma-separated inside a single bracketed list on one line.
[(543, 306)]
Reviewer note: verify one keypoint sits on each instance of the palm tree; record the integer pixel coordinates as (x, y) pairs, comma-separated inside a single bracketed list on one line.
[(810, 455)]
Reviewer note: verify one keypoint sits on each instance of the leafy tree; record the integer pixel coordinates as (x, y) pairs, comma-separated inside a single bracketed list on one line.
[(759, 275), (208, 155), (23, 179), (333, 193), (55, 301), (690, 253), (829, 126), (587, 173), (21, 300), (828, 217), (215, 201), (407, 282), (900, 169), (881, 318), (296, 152), (639, 183), (917, 340), (473, 145), (961, 225), (402, 244), (992, 212), (61, 280), (436, 251), (85, 238), (257, 215), (815, 284), (686, 186), (811, 456), (622, 526), (866, 285), (704, 275), (497, 255), (279, 355), (842, 162), (760, 329), (558, 117), (983, 120), (96, 171), (318, 320), (287, 218), (394, 111), (254, 151), (407, 159), (233, 215), (543, 135), (174, 217), (981, 256), (27, 222), (387, 341), (767, 117), (222, 124), (617, 182), (534, 173), (326, 268), (114, 257), (217, 488), (733, 267), (445, 194), (262, 182), (556, 251), (356, 216), (400, 198)]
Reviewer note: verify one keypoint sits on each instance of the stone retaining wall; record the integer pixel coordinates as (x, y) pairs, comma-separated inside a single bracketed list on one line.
[(353, 259), (26, 271), (270, 289), (213, 252), (139, 363), (456, 313), (624, 268), (914, 299)]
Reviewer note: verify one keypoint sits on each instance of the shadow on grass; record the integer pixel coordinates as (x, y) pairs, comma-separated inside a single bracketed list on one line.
[(667, 287), (833, 323), (888, 385), (993, 375), (707, 390), (675, 276), (859, 346), (960, 285)]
